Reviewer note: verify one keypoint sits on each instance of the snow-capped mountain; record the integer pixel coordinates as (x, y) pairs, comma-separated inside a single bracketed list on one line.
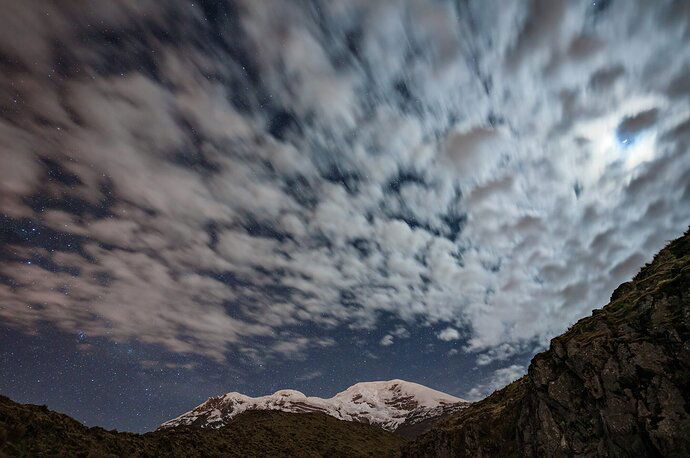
[(389, 404)]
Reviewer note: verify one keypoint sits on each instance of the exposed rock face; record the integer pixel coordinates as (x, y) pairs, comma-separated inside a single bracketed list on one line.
[(616, 384)]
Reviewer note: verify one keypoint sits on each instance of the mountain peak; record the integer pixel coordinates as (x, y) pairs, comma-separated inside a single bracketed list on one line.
[(289, 393), (396, 388), (386, 403)]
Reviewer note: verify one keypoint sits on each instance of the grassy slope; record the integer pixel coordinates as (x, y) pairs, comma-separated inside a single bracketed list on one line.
[(27, 430)]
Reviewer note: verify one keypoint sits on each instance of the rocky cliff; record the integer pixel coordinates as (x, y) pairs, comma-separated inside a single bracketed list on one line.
[(616, 384)]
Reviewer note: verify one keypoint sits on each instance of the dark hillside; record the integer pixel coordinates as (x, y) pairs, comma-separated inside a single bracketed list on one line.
[(28, 430)]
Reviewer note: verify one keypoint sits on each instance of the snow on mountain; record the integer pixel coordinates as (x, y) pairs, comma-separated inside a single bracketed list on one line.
[(388, 404)]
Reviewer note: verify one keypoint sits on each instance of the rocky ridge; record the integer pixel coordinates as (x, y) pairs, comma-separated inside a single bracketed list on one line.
[(616, 384)]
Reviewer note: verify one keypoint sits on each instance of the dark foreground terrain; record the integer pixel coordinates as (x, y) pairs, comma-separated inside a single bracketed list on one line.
[(616, 384), (27, 430)]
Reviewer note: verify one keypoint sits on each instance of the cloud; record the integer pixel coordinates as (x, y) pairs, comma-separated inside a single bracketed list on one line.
[(154, 364), (449, 334), (215, 193), (498, 379), (371, 355), (309, 376), (502, 352), (400, 332), (476, 152), (294, 347), (386, 340), (632, 125)]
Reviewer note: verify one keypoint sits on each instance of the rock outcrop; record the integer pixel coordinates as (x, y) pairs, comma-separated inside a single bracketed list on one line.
[(616, 384)]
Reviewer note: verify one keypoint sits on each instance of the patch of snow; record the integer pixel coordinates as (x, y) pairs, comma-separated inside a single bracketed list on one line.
[(384, 403)]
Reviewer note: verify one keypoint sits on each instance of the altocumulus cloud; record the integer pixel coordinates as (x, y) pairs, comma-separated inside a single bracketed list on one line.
[(498, 379), (212, 176), (449, 334)]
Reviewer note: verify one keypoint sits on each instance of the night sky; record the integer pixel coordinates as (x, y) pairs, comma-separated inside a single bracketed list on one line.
[(211, 196)]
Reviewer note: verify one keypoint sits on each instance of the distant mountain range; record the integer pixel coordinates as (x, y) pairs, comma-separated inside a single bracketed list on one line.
[(394, 405), (615, 384)]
